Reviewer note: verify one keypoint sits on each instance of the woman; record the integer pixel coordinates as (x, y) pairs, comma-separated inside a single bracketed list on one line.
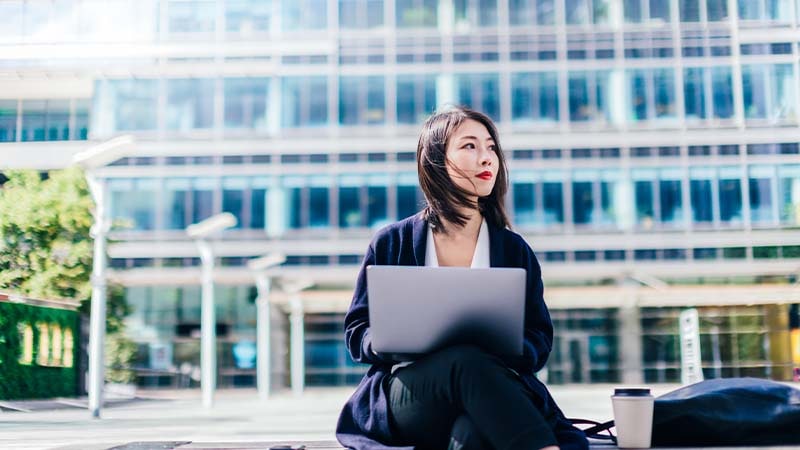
[(458, 398)]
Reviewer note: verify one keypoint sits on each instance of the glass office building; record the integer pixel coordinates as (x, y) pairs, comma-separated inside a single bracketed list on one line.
[(653, 144)]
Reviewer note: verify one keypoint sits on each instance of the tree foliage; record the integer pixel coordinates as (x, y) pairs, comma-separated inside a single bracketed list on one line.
[(46, 249), (45, 242)]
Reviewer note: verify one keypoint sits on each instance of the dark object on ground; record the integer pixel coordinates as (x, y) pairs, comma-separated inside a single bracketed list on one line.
[(733, 411), (167, 445)]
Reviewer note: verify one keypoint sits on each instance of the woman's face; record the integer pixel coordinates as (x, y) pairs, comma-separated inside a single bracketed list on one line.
[(472, 161)]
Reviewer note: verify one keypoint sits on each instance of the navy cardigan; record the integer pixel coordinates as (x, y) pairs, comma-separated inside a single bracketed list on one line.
[(364, 423)]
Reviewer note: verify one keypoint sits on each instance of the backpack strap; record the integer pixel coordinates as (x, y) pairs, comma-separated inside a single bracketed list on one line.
[(596, 428)]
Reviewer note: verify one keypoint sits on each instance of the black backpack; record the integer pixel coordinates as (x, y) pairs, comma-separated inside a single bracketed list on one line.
[(721, 412), (732, 411)]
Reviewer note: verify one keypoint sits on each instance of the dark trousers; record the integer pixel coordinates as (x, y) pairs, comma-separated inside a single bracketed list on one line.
[(462, 398)]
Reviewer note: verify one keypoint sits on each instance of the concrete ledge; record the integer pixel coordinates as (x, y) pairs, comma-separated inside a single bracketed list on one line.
[(333, 445)]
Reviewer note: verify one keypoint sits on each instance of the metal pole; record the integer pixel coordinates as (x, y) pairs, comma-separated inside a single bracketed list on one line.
[(208, 354), (298, 346), (97, 318), (263, 344)]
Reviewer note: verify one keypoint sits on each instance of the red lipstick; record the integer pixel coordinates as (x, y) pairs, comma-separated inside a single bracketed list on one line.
[(485, 175)]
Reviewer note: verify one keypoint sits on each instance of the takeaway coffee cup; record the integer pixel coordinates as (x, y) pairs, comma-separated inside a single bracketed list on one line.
[(633, 417)]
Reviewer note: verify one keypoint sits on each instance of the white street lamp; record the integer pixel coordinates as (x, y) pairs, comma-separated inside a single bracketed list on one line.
[(91, 159), (259, 266), (200, 232), (297, 333)]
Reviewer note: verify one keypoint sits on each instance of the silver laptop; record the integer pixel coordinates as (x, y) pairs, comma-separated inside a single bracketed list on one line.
[(415, 310)]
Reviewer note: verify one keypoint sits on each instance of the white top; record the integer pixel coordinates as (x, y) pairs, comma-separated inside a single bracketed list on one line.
[(480, 260)]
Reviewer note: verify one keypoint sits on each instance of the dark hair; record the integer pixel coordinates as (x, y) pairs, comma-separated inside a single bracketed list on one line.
[(443, 196)]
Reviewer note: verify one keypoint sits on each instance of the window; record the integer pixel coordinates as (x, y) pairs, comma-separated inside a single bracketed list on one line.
[(246, 103), (769, 91), (177, 203), (705, 253), (582, 12), (305, 101), (524, 202), (694, 93), (660, 10), (717, 10), (416, 13), (377, 202), (245, 17), (637, 97), (789, 186), (553, 202), (635, 11), (190, 104), (362, 100), (722, 88), (730, 195), (45, 120), (769, 252), (80, 130), (191, 16), (408, 195), (613, 199), (8, 120), (674, 253), (132, 206), (534, 97), (360, 14), (701, 196), (640, 105), (298, 15), (349, 206), (734, 253), (643, 194), (292, 195), (590, 95), (645, 254), (475, 13), (319, 206), (767, 10), (258, 204), (690, 10), (233, 198), (203, 198), (480, 92), (416, 98), (582, 202), (760, 193), (670, 196), (522, 12), (125, 105)]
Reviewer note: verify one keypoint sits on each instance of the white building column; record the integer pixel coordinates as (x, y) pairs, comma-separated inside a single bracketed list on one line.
[(297, 337)]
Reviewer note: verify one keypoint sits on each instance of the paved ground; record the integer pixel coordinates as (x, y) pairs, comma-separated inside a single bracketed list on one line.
[(238, 420)]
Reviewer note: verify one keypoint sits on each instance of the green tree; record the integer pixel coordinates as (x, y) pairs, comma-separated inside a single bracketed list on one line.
[(45, 242), (46, 250)]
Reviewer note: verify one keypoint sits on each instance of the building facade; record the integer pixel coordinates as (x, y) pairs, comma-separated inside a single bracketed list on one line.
[(652, 144)]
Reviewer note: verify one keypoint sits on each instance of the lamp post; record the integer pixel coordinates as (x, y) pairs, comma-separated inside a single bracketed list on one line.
[(297, 333), (259, 267), (200, 232), (91, 159)]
